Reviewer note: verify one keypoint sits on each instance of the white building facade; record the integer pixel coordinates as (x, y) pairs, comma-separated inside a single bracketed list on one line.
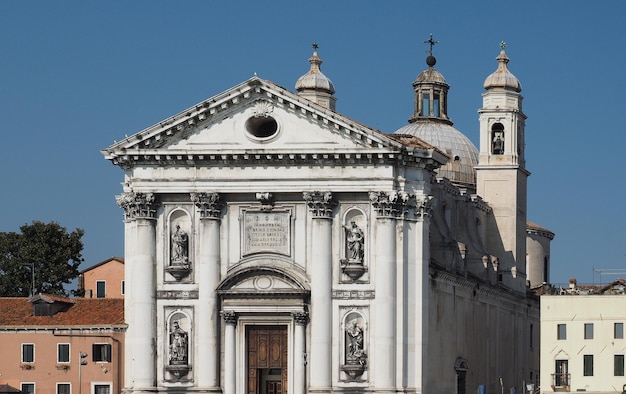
[(582, 339), (273, 245)]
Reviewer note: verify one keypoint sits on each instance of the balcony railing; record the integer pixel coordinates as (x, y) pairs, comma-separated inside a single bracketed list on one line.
[(561, 381)]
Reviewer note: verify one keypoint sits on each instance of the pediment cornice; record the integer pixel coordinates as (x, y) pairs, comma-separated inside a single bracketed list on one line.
[(150, 146)]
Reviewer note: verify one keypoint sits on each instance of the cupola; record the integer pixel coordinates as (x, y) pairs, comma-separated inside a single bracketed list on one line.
[(431, 92), (430, 123), (502, 78), (316, 86)]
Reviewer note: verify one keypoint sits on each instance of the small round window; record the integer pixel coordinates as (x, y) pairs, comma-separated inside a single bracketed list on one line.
[(262, 127)]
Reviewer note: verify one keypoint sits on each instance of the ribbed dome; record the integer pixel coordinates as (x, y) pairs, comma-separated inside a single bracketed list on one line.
[(463, 154), (315, 79), (430, 75), (502, 77)]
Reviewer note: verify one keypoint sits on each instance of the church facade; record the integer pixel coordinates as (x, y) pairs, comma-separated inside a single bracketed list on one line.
[(273, 246)]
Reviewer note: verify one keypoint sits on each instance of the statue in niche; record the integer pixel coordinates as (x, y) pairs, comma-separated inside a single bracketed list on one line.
[(178, 345), (180, 246), (354, 344), (355, 241), (498, 145)]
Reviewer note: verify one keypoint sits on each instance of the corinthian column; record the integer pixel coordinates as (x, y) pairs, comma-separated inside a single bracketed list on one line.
[(208, 276), (321, 205), (140, 299), (387, 206)]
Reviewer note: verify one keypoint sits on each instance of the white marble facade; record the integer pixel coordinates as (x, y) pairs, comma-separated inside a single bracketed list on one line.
[(273, 245)]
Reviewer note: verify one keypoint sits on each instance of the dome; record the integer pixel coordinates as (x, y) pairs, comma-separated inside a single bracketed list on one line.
[(315, 79), (430, 75), (463, 154), (502, 77)]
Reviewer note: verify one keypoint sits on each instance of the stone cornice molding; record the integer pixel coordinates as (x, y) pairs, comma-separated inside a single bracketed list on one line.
[(149, 146), (137, 205), (321, 204), (209, 204), (479, 203)]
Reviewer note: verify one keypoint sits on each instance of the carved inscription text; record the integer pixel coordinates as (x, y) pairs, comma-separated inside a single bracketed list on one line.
[(266, 232)]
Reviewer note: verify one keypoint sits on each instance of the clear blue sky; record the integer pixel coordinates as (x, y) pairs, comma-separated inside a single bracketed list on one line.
[(77, 75)]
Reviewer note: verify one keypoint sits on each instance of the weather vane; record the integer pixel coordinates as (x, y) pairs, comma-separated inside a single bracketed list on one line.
[(502, 44), (431, 43)]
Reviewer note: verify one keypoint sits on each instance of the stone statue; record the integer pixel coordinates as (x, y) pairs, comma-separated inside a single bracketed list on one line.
[(180, 242), (354, 349), (178, 345), (498, 145), (355, 241)]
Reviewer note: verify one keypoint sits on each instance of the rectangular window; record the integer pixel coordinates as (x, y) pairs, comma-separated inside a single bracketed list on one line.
[(63, 388), (28, 388), (532, 334), (63, 353), (618, 365), (123, 287), (28, 353), (101, 352), (561, 331), (588, 330), (618, 331), (100, 289), (102, 389), (588, 365)]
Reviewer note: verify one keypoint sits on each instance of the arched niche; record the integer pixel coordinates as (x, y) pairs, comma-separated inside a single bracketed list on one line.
[(355, 244), (180, 244), (178, 344), (354, 358)]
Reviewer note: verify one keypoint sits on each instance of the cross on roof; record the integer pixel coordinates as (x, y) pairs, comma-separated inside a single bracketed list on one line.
[(315, 46), (431, 43), (502, 44)]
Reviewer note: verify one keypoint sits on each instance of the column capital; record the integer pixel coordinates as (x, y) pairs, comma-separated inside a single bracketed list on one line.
[(393, 204), (423, 207), (210, 204), (230, 317), (137, 205), (321, 204), (300, 318)]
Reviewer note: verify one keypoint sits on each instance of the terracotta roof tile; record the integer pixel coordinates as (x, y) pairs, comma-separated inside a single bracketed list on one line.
[(18, 312)]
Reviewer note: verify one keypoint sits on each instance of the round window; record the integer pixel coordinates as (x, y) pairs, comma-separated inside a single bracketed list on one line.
[(262, 127)]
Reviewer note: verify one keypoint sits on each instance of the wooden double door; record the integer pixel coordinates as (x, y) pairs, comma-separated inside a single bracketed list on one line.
[(267, 359)]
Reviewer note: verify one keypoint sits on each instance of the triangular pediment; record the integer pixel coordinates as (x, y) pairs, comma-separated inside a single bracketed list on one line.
[(255, 119)]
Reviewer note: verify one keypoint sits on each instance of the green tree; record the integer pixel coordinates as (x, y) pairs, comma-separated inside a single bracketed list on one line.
[(49, 249)]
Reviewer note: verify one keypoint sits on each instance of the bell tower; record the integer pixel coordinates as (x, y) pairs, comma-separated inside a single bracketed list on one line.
[(501, 175)]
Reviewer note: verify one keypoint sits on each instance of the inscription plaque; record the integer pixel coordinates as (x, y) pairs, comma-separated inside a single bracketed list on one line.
[(266, 232)]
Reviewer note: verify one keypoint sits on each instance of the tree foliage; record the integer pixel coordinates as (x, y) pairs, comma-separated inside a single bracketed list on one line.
[(49, 248)]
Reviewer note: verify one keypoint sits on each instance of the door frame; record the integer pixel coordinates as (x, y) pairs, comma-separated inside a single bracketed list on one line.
[(244, 321)]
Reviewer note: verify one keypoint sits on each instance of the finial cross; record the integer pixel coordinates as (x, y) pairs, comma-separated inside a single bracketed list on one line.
[(315, 46), (431, 43), (502, 44)]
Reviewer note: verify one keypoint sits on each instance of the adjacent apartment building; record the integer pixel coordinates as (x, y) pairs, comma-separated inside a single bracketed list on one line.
[(103, 280), (52, 344), (582, 338)]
